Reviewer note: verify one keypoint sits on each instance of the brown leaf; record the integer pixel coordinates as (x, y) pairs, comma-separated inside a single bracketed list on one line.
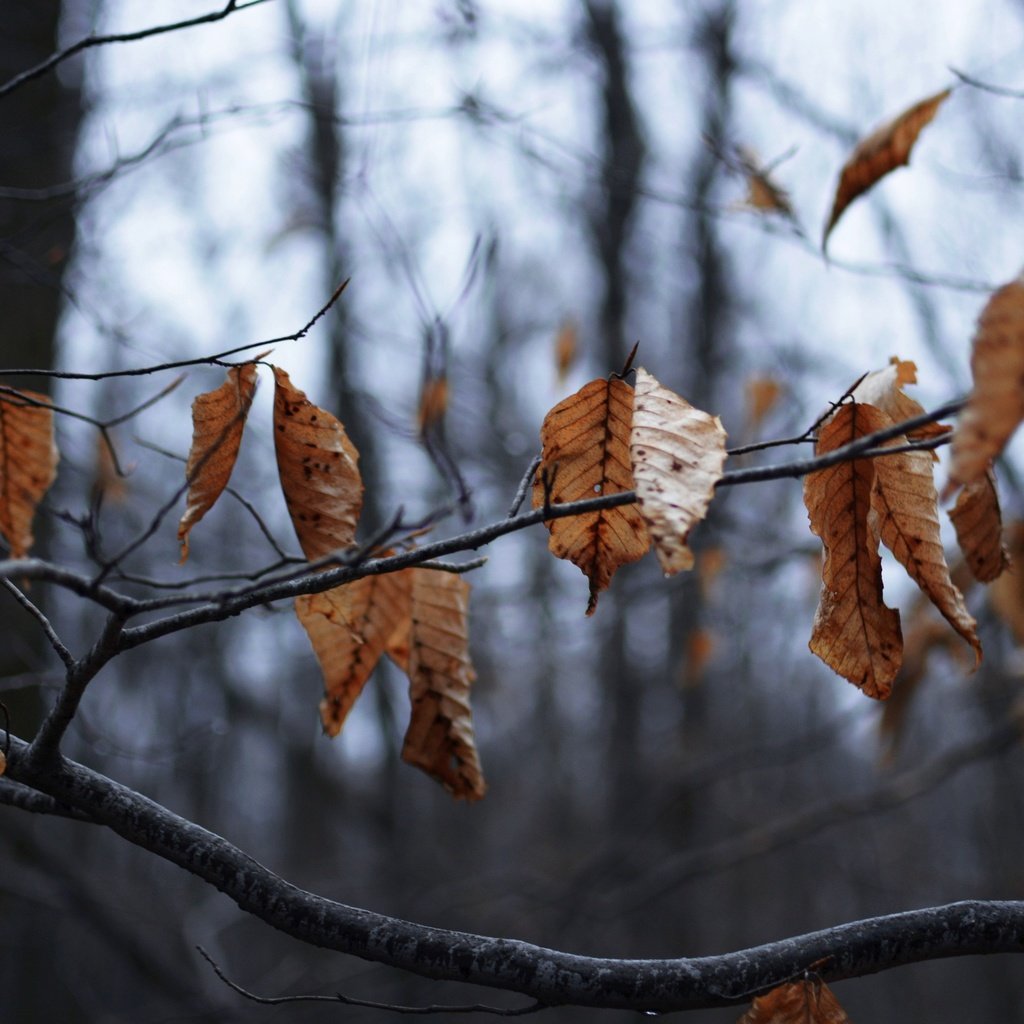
[(585, 453), (978, 522), (996, 404), (566, 347), (433, 402), (884, 390), (1006, 594), (677, 453), (106, 480), (218, 420), (854, 632), (28, 464), (317, 464), (906, 505), (440, 735), (798, 1002), (761, 395), (349, 628), (885, 149), (763, 194)]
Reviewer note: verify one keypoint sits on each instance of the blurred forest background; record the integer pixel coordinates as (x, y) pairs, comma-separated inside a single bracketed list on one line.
[(675, 776)]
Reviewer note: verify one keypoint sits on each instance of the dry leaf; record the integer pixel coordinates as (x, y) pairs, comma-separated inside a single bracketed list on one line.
[(854, 632), (1006, 594), (106, 480), (678, 453), (700, 647), (885, 149), (433, 402), (761, 395), (28, 464), (800, 1002), (317, 464), (585, 453), (979, 528), (996, 404), (884, 390), (349, 628), (218, 420), (763, 193), (906, 506), (440, 735), (566, 347)]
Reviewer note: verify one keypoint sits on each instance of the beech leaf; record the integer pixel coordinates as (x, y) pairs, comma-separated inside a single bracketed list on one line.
[(28, 464), (585, 453), (995, 405), (885, 149), (677, 453), (854, 632), (317, 465), (218, 421), (884, 390), (979, 528), (809, 1001), (440, 735)]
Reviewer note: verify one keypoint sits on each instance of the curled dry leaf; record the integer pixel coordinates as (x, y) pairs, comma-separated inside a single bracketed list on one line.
[(884, 390), (885, 149), (677, 453), (440, 735), (809, 1001), (317, 465), (28, 464), (585, 453), (996, 404), (854, 632), (978, 522), (218, 421), (350, 627)]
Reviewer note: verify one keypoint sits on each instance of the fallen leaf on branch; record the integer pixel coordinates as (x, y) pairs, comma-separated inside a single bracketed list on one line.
[(995, 405), (218, 421), (799, 1002), (28, 464), (585, 453), (677, 453), (885, 149), (854, 632), (978, 522), (317, 465)]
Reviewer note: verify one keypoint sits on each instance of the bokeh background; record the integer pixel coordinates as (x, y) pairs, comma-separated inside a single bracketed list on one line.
[(676, 775)]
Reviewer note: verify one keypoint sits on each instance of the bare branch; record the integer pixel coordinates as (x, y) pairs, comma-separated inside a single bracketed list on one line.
[(55, 641)]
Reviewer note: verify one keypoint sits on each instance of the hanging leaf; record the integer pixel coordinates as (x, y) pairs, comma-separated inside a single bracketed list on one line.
[(28, 464), (677, 453), (1006, 594), (996, 404), (906, 505), (799, 1002), (218, 421), (433, 402), (978, 522), (884, 390), (349, 628), (885, 149), (585, 453), (317, 465), (440, 735), (854, 632), (761, 395), (566, 348), (764, 194)]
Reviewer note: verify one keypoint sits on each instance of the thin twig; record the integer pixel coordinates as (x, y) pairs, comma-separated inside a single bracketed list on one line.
[(524, 487), (51, 635)]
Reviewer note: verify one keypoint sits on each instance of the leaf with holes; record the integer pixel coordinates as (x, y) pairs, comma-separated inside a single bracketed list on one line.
[(218, 421), (585, 453), (809, 1001), (854, 632), (317, 465), (978, 522), (28, 464), (677, 453)]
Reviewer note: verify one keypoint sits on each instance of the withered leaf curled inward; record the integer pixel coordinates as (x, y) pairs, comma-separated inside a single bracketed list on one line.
[(995, 405), (218, 421), (677, 453), (317, 465), (28, 464), (979, 528), (809, 1001), (885, 149), (585, 453), (854, 632)]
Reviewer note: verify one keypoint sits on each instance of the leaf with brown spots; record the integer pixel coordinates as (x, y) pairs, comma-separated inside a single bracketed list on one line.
[(799, 1002), (440, 735), (317, 465), (995, 405), (350, 627), (854, 632), (978, 522), (218, 421), (585, 453), (677, 453), (28, 464), (885, 149)]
